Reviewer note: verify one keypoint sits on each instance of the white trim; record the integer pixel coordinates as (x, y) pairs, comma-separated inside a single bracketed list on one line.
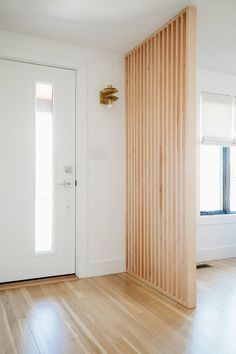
[(82, 171), (40, 63), (216, 219), (207, 254), (106, 266)]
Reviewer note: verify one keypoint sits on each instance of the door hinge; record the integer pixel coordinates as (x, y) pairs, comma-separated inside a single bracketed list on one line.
[(76, 183)]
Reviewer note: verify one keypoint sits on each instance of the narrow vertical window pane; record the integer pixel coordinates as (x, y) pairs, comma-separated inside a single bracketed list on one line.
[(44, 168), (233, 179), (211, 178)]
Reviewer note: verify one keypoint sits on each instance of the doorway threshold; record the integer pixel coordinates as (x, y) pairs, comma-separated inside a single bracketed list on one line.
[(39, 281)]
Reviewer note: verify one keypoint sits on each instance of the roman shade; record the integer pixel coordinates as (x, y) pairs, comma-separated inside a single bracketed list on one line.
[(217, 113)]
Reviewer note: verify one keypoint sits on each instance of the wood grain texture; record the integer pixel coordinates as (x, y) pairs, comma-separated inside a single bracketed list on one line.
[(161, 142), (117, 314)]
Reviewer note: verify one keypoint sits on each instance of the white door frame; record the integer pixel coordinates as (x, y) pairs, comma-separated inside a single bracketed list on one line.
[(81, 158)]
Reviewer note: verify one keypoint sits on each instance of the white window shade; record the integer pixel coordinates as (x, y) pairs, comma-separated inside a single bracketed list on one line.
[(217, 112)]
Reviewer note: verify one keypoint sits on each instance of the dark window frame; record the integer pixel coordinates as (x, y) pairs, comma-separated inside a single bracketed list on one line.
[(226, 187)]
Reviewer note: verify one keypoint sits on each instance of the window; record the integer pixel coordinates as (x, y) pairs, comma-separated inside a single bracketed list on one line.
[(233, 179), (211, 178), (217, 155), (44, 169), (217, 180)]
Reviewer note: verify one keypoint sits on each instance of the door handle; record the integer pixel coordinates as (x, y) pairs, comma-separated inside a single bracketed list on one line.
[(67, 183)]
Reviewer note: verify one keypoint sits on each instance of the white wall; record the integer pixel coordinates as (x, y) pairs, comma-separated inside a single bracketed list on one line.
[(100, 193), (216, 235)]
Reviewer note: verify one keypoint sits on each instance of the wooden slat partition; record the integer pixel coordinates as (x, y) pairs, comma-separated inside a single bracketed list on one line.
[(160, 137)]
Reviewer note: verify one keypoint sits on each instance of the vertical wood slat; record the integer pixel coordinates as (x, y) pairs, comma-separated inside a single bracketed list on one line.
[(160, 176)]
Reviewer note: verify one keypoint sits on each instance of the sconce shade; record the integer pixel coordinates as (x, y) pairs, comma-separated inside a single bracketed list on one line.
[(107, 95)]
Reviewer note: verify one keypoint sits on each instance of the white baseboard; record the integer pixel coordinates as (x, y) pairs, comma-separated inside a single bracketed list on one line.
[(207, 254), (105, 267)]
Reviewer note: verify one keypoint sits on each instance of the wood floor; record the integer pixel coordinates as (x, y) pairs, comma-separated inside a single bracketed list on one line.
[(117, 314)]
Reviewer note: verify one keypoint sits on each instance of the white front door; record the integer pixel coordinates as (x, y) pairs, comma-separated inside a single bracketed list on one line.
[(37, 171)]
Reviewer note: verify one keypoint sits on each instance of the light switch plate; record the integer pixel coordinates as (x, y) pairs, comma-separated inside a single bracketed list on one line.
[(99, 153)]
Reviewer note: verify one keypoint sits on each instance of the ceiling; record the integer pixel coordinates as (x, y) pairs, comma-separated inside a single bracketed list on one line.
[(119, 25)]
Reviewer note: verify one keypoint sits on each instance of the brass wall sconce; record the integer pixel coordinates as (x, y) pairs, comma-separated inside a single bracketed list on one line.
[(107, 95)]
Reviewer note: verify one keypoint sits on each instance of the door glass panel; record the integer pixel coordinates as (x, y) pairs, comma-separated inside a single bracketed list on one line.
[(44, 168)]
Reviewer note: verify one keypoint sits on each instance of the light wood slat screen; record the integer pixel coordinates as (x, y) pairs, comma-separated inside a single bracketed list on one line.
[(160, 138)]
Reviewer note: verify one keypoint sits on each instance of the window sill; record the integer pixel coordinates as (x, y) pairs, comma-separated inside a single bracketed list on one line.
[(216, 219)]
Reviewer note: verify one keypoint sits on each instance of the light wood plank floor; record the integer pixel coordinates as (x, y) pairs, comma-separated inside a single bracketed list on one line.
[(117, 314)]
